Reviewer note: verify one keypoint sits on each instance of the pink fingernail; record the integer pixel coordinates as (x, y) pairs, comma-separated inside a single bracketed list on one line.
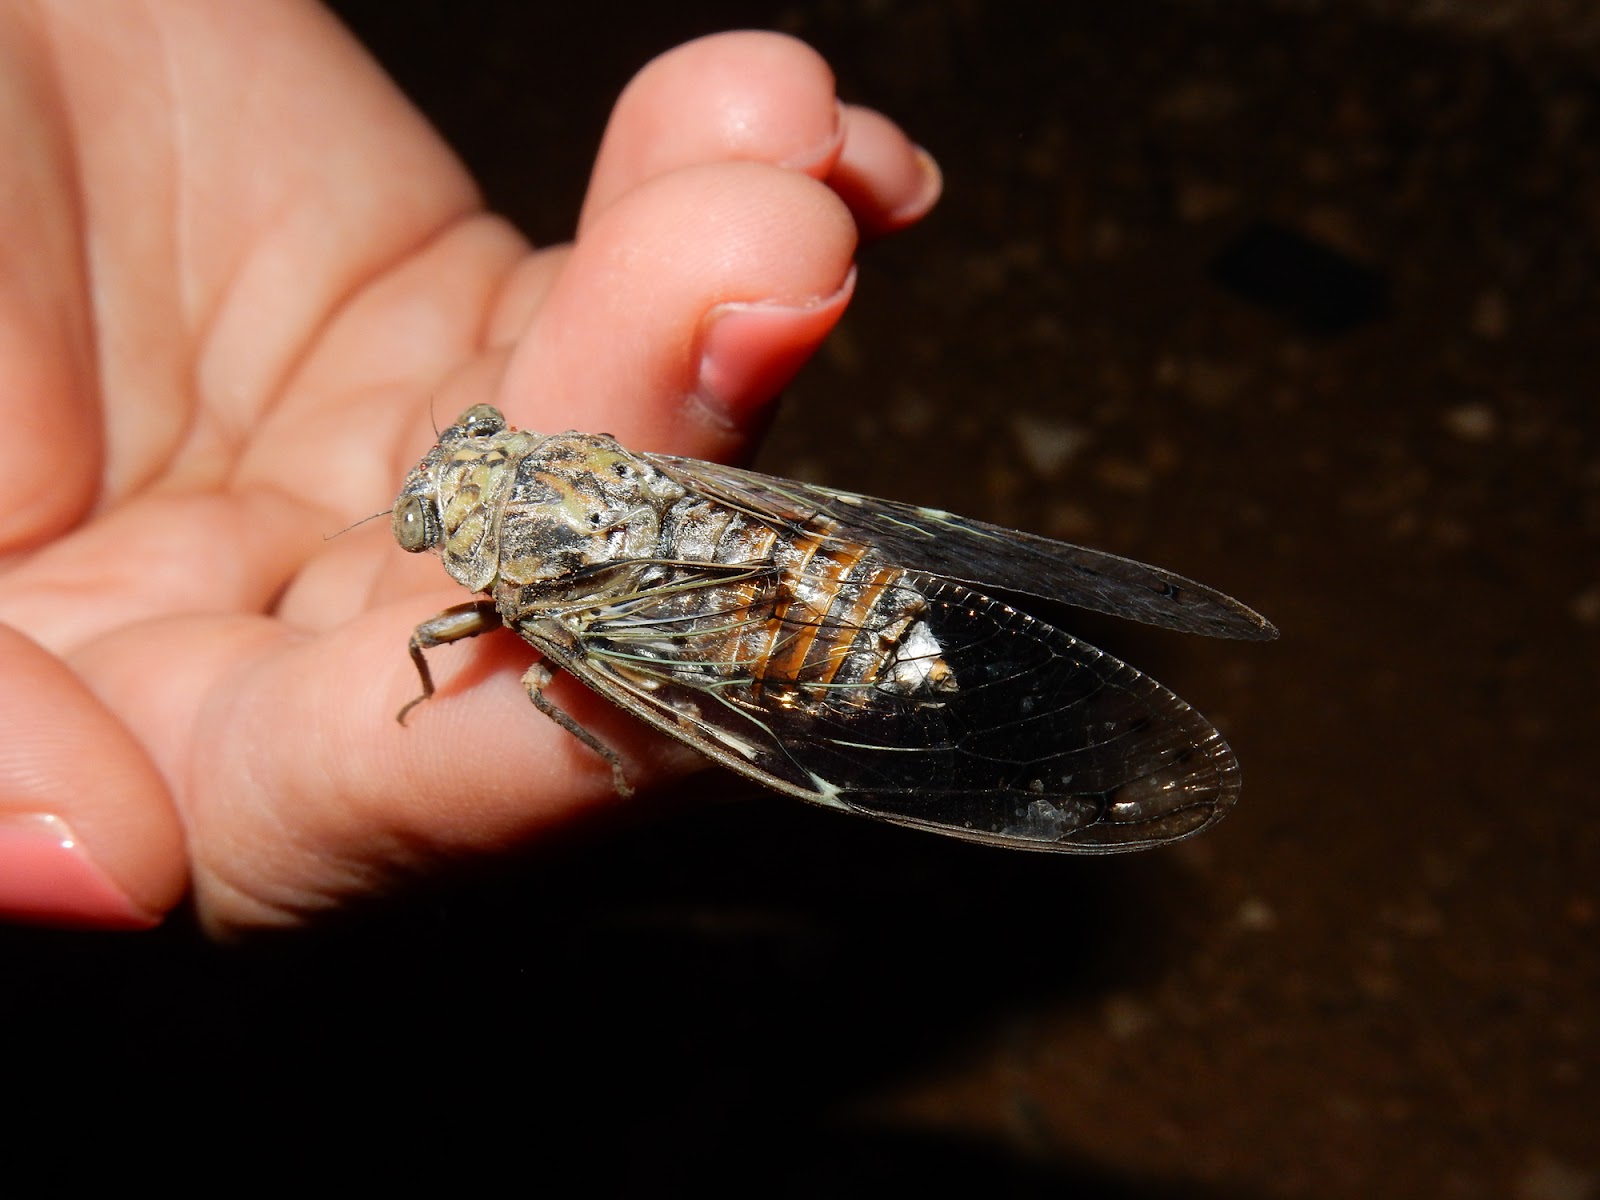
[(47, 878), (932, 185), (750, 350), (818, 160)]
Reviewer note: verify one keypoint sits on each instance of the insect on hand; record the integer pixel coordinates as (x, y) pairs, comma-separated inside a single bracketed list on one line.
[(845, 650)]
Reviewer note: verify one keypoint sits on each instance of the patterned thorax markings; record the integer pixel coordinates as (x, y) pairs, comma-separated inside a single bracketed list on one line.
[(472, 483), (577, 502)]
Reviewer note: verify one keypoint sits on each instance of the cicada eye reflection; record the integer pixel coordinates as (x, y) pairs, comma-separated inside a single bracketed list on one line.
[(411, 524)]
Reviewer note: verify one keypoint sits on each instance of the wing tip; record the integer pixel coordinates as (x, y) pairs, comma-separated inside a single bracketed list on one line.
[(1260, 629), (1230, 618)]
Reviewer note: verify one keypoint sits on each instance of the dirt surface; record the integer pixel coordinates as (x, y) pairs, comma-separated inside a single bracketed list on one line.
[(1297, 299)]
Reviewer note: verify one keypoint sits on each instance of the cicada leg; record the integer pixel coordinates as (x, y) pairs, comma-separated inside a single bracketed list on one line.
[(453, 624), (536, 679), (481, 616)]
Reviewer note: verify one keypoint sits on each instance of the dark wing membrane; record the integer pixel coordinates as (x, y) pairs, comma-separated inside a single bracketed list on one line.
[(986, 556), (1043, 742)]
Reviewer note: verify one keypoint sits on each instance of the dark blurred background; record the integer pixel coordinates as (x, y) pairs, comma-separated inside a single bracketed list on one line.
[(1295, 297)]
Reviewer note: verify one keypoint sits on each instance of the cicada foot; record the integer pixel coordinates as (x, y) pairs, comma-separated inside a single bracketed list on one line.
[(453, 624), (538, 678)]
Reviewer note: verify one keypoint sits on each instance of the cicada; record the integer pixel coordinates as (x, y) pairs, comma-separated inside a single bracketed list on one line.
[(865, 655)]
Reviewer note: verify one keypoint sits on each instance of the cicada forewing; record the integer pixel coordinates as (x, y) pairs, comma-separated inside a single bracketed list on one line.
[(988, 557)]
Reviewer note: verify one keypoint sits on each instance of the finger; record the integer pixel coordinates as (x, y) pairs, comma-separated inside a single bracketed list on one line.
[(754, 96), (88, 834), (684, 309), (303, 794), (761, 97), (887, 182)]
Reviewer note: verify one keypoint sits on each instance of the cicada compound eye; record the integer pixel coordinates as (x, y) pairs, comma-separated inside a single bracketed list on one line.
[(411, 524)]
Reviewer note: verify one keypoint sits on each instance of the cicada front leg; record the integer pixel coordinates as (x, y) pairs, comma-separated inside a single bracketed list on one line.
[(453, 624)]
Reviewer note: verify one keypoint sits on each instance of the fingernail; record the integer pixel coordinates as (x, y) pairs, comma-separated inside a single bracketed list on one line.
[(932, 184), (47, 878), (750, 350), (818, 160), (917, 176)]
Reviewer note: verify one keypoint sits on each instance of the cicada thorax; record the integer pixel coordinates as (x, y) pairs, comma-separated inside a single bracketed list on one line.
[(472, 483), (556, 506)]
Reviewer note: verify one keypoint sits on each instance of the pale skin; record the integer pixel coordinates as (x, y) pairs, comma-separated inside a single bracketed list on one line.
[(240, 279)]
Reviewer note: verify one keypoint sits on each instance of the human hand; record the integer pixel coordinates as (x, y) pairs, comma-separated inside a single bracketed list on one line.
[(241, 278)]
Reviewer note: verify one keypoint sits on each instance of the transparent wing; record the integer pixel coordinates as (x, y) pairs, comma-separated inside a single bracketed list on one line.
[(985, 556), (1043, 743)]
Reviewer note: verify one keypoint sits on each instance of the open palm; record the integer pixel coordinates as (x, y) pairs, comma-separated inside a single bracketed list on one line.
[(239, 278)]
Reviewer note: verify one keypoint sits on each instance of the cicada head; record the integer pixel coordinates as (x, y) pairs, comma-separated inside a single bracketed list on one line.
[(450, 499)]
